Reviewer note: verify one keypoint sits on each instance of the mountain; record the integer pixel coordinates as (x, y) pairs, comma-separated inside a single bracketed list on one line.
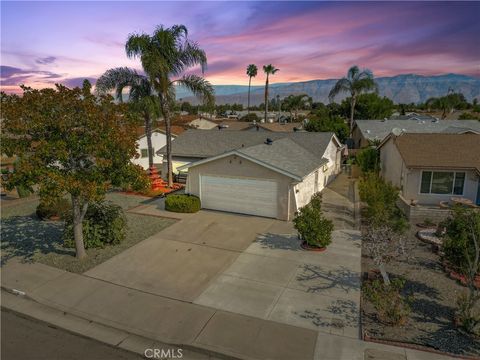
[(408, 88)]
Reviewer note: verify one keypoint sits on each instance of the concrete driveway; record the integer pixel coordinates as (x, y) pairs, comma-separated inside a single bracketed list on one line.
[(180, 261), (275, 279)]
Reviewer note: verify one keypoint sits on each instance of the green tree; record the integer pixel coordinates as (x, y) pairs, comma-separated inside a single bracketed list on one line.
[(68, 141), (295, 103), (369, 106), (322, 123), (141, 96), (355, 83), (165, 56), (448, 103), (252, 71), (368, 159), (268, 70)]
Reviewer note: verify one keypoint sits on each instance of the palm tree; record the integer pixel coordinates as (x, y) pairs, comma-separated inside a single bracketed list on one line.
[(294, 103), (165, 56), (356, 82), (141, 96), (252, 71), (268, 69)]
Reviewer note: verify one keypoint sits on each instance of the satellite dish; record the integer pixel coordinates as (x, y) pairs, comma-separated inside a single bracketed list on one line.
[(397, 131)]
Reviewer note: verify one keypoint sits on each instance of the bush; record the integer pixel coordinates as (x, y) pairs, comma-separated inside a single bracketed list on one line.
[(59, 207), (182, 203), (250, 117), (104, 224), (23, 191), (368, 159), (459, 244), (311, 225), (391, 306), (467, 315)]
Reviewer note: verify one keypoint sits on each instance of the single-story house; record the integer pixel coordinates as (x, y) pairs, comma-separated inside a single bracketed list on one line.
[(159, 140), (430, 168), (202, 124), (365, 131), (256, 173)]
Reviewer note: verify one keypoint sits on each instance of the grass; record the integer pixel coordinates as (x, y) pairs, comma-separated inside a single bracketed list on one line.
[(24, 236)]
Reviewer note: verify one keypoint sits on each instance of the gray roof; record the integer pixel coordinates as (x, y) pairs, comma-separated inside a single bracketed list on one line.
[(207, 143), (284, 154), (379, 129)]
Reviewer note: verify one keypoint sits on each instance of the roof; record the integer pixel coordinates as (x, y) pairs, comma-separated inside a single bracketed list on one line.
[(176, 130), (379, 129), (208, 143), (449, 151), (231, 125), (276, 126)]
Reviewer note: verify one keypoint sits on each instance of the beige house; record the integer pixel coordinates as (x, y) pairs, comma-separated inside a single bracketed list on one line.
[(270, 175), (433, 168)]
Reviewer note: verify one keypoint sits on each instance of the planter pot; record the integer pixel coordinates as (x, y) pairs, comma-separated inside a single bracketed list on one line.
[(307, 247)]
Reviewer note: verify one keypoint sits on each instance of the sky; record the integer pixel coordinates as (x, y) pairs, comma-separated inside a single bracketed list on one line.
[(43, 43)]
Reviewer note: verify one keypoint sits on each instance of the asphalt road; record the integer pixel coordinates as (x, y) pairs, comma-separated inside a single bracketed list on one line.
[(26, 339)]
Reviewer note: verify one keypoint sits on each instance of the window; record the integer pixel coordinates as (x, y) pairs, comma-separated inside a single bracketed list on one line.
[(144, 153), (442, 182)]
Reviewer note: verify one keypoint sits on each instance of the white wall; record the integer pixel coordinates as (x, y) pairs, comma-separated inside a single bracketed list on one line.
[(159, 140)]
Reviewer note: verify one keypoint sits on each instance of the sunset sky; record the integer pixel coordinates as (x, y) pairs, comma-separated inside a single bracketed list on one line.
[(47, 42)]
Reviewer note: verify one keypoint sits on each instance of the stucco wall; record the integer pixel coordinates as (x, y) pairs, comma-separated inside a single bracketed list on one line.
[(177, 161), (359, 140), (239, 167), (391, 164), (412, 189), (159, 140)]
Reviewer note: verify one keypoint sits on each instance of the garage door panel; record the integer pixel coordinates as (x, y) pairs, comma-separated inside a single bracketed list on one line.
[(246, 196)]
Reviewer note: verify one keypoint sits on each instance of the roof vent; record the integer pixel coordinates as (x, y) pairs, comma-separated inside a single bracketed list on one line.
[(269, 141)]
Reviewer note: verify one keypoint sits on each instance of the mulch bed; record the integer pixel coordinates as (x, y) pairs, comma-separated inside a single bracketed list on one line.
[(431, 322)]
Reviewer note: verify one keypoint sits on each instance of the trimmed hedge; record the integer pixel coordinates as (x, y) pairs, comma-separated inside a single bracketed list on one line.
[(182, 203)]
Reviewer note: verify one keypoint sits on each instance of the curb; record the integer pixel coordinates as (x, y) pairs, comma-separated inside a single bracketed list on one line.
[(19, 303)]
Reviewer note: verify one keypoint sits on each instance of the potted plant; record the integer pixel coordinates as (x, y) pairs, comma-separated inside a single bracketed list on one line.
[(314, 230)]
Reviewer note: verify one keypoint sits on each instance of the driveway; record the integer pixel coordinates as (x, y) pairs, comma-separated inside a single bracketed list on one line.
[(275, 279), (180, 261)]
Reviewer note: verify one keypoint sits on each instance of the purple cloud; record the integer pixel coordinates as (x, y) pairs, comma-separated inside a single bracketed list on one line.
[(46, 60)]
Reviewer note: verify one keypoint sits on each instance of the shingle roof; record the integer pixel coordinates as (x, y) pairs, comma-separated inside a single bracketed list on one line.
[(207, 143), (461, 151), (379, 129), (286, 155)]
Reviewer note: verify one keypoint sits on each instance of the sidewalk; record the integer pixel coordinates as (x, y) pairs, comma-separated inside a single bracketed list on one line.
[(139, 319)]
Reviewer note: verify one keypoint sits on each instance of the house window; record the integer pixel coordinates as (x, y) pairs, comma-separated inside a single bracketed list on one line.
[(144, 153), (442, 182)]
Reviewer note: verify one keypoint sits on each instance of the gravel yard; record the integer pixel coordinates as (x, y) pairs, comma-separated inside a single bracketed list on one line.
[(27, 237), (431, 320)]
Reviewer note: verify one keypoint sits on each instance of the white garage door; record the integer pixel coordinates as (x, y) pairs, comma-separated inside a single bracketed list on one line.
[(245, 196)]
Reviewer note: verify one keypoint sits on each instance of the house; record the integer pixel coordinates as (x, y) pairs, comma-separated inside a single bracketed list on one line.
[(413, 116), (257, 173), (159, 140), (366, 131), (430, 168), (202, 124)]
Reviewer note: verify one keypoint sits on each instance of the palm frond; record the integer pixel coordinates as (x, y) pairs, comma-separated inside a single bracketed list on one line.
[(199, 87), (136, 45), (117, 79), (342, 85)]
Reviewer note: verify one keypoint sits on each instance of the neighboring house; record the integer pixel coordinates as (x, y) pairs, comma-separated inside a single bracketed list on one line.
[(159, 140), (430, 168), (202, 124), (265, 174), (365, 131), (413, 116)]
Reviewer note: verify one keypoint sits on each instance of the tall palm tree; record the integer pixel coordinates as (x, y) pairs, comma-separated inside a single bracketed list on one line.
[(252, 71), (141, 96), (294, 103), (355, 83), (268, 69), (165, 56)]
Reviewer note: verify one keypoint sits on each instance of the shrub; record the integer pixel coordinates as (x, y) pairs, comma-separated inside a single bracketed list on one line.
[(368, 159), (182, 203), (459, 245), (59, 207), (311, 225), (104, 224), (467, 315), (23, 191), (391, 306), (250, 117)]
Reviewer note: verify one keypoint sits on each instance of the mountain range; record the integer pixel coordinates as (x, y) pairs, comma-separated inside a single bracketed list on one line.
[(408, 88)]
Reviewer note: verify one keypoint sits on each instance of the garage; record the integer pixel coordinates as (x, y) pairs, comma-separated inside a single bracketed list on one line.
[(240, 195)]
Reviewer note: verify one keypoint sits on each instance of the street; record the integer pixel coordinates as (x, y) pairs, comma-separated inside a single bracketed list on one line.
[(28, 339)]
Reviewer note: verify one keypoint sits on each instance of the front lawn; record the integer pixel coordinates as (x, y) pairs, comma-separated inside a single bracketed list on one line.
[(23, 235), (434, 302)]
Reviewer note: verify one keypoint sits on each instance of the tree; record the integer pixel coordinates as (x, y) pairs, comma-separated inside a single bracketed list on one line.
[(141, 96), (448, 103), (269, 70), (252, 71), (70, 142), (324, 123), (165, 56), (355, 83), (294, 103), (369, 106)]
